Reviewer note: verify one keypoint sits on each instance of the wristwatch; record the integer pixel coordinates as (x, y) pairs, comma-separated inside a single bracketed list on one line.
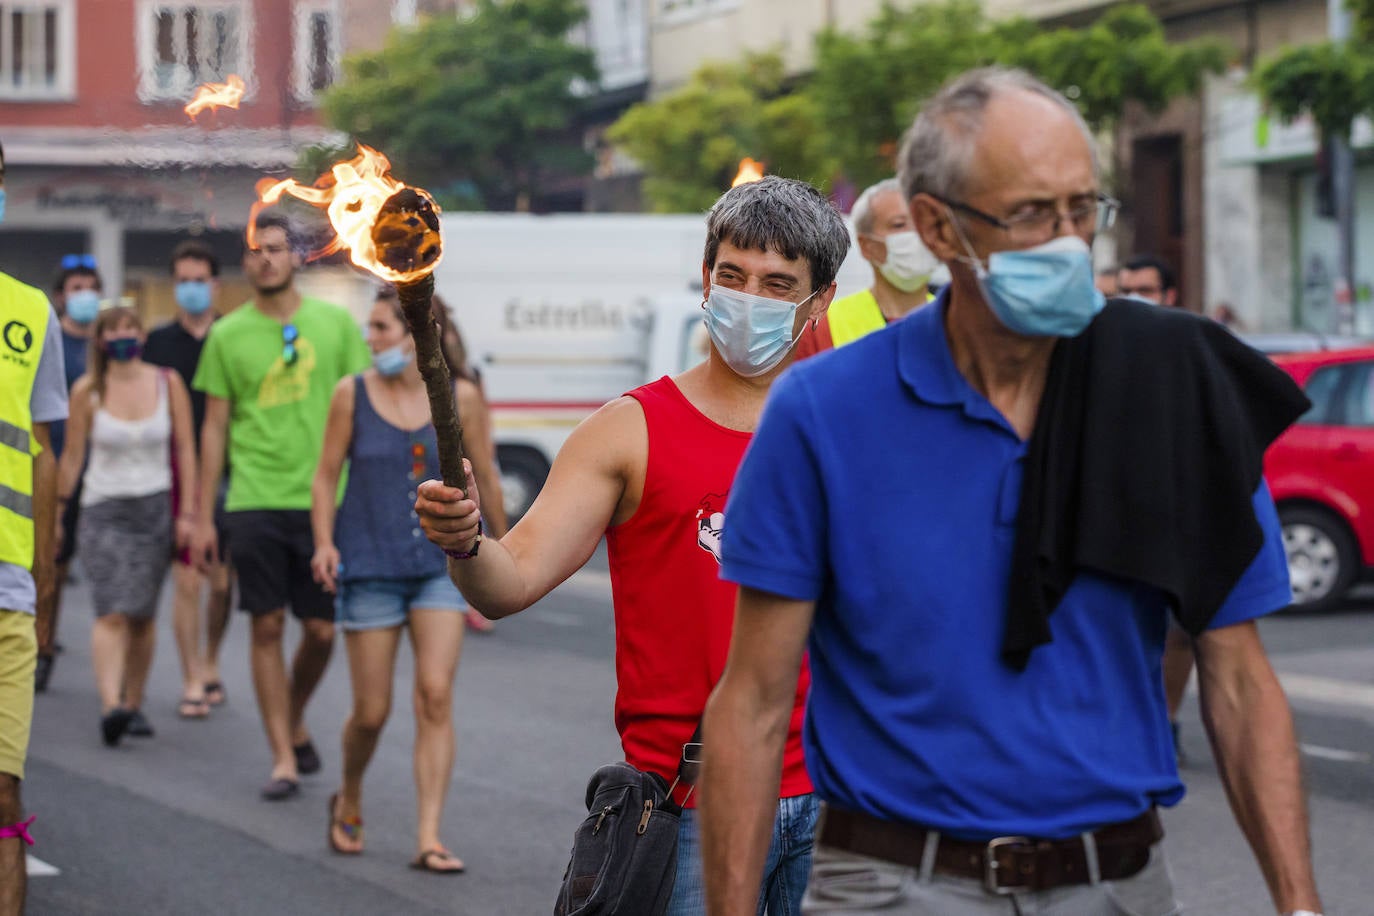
[(472, 551)]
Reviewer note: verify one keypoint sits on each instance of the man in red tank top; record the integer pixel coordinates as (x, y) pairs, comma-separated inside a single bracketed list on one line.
[(652, 472)]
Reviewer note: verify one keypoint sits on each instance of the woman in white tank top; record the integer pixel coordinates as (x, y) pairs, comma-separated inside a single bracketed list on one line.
[(126, 416)]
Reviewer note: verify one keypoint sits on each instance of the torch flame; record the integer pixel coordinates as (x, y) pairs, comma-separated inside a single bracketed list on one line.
[(352, 194), (216, 95), (749, 170)]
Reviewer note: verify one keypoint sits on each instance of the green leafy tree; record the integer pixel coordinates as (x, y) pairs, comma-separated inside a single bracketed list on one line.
[(478, 109), (871, 86), (691, 141), (868, 86), (1331, 81), (1123, 57), (848, 115)]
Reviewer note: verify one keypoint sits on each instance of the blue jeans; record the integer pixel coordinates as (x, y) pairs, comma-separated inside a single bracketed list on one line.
[(784, 873)]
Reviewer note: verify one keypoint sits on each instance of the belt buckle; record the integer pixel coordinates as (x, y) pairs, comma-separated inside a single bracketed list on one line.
[(991, 865)]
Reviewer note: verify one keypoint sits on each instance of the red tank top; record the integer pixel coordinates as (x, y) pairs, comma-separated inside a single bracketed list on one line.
[(673, 612)]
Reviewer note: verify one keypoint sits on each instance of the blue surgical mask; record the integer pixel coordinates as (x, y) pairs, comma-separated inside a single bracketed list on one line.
[(392, 361), (2, 205), (752, 333), (193, 296), (1045, 291), (83, 305)]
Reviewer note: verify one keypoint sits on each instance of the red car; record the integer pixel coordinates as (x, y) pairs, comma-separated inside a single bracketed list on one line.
[(1321, 473)]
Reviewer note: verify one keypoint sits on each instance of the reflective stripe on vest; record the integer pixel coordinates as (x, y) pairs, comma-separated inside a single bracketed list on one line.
[(854, 316), (24, 314)]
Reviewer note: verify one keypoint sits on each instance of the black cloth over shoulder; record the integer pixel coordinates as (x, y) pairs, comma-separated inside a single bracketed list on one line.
[(1147, 450)]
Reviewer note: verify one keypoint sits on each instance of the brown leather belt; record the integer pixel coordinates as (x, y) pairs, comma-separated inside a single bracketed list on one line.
[(1005, 865)]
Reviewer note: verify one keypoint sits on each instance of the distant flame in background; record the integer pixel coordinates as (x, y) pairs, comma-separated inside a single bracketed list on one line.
[(749, 170), (352, 194), (216, 95)]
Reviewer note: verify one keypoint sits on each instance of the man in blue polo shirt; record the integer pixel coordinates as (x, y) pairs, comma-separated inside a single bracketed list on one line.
[(876, 512)]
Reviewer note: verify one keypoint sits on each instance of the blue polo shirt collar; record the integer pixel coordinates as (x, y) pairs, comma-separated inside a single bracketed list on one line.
[(926, 365)]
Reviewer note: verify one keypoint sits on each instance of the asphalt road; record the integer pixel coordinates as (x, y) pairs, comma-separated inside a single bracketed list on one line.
[(173, 825)]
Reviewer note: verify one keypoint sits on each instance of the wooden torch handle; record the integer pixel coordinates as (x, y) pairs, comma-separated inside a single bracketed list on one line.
[(416, 301)]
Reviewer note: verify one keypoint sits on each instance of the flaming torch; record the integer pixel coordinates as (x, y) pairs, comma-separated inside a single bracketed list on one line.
[(749, 170), (392, 231), (216, 95)]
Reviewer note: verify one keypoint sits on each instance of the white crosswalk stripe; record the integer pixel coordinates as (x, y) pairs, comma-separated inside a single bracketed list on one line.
[(37, 868), (1328, 690)]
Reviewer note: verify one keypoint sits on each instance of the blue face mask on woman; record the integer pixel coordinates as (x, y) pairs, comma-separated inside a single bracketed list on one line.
[(752, 333), (392, 361), (123, 349), (193, 296), (83, 305), (1045, 291)]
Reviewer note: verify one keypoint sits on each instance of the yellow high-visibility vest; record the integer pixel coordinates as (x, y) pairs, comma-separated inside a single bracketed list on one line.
[(24, 315), (854, 316)]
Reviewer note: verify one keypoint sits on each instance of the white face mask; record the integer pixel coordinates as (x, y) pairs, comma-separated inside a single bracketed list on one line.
[(752, 333), (909, 262)]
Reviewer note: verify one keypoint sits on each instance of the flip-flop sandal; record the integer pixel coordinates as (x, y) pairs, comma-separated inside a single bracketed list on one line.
[(193, 709), (214, 693), (280, 789), (352, 827), (425, 862)]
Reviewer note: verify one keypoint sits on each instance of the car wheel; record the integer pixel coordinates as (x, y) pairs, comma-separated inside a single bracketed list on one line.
[(1322, 559), (523, 471)]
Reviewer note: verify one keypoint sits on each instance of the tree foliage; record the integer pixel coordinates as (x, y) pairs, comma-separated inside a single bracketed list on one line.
[(691, 141), (848, 115), (1331, 81), (478, 109), (1122, 57)]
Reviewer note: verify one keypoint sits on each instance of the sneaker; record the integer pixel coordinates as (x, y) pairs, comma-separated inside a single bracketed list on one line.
[(42, 671), (139, 727), (307, 760)]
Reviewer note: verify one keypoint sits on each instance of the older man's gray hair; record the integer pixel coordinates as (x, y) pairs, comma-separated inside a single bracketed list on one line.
[(938, 147), (862, 213), (783, 215)]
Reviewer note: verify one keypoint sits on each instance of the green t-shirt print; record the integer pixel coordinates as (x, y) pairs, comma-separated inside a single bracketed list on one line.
[(278, 411)]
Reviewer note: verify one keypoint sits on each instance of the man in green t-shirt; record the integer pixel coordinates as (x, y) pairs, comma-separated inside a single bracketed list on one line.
[(268, 370)]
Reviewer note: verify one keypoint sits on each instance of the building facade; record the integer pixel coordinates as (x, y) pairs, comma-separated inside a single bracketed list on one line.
[(101, 157)]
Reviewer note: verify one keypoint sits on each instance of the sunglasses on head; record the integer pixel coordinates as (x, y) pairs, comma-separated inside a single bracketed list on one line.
[(78, 260), (289, 336)]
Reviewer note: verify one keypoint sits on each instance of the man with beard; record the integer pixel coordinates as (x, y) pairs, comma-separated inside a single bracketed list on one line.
[(268, 371)]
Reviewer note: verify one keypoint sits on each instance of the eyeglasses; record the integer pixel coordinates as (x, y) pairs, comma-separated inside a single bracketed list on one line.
[(1039, 223), (289, 336), (70, 261)]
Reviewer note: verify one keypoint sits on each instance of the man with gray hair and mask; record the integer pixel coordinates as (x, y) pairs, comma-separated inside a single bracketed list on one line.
[(1041, 481), (902, 266), (652, 472)]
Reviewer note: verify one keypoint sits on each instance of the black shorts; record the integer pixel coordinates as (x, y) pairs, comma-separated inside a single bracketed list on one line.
[(271, 556)]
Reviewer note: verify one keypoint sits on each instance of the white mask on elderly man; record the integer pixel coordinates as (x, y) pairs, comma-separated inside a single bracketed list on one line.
[(909, 262)]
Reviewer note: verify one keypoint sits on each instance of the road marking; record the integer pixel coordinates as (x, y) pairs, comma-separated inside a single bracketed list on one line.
[(37, 868), (1334, 753), (1328, 690)]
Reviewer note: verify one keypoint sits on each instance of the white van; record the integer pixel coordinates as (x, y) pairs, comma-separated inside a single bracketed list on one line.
[(563, 313)]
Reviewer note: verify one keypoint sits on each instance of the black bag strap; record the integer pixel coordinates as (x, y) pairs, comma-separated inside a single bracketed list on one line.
[(689, 761)]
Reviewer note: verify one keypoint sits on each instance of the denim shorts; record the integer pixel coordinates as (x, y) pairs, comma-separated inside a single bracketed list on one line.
[(370, 604)]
